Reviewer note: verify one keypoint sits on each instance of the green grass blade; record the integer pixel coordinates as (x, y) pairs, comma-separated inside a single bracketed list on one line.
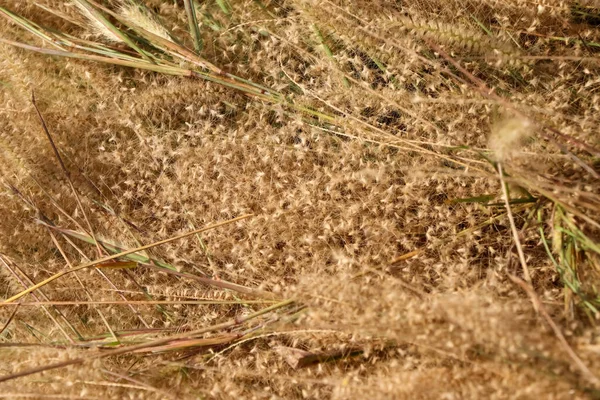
[(483, 199), (115, 248), (224, 6), (29, 26), (164, 69), (190, 10)]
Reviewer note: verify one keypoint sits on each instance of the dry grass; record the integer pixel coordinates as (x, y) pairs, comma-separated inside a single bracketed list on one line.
[(367, 139)]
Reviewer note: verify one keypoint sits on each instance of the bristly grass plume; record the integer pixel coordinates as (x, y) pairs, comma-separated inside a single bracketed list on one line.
[(299, 199)]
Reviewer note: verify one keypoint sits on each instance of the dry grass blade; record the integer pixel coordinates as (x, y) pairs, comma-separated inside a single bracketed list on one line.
[(406, 256), (138, 302), (163, 393), (367, 138), (13, 270), (87, 292), (559, 335), (184, 344), (155, 263), (149, 345), (80, 205), (66, 172), (217, 283), (513, 227), (118, 265), (482, 87), (10, 318), (122, 254)]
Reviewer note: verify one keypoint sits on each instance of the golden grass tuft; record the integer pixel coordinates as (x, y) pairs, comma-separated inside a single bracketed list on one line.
[(422, 178)]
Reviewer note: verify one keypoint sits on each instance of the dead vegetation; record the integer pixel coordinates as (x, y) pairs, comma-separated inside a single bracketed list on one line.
[(299, 199)]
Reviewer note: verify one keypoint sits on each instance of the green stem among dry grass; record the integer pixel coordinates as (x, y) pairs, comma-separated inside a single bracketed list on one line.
[(131, 251), (151, 344)]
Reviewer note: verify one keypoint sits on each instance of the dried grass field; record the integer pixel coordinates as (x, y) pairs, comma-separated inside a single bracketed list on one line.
[(299, 199)]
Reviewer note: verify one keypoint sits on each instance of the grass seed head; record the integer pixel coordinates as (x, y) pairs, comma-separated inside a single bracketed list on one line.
[(508, 136)]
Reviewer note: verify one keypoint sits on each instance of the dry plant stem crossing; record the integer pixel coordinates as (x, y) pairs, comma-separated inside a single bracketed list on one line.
[(213, 282), (561, 338), (370, 162), (151, 388), (85, 257), (13, 270), (105, 277), (85, 289), (136, 302), (12, 315), (124, 253), (66, 172), (513, 227), (129, 349), (482, 88), (46, 221)]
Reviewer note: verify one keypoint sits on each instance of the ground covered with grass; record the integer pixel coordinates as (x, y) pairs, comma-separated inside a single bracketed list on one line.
[(272, 199)]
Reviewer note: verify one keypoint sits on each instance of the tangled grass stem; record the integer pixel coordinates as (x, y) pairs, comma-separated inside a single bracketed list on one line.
[(124, 253)]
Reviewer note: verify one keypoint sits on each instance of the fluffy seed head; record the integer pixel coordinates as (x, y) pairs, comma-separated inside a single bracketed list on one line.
[(140, 17), (97, 27), (507, 136)]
